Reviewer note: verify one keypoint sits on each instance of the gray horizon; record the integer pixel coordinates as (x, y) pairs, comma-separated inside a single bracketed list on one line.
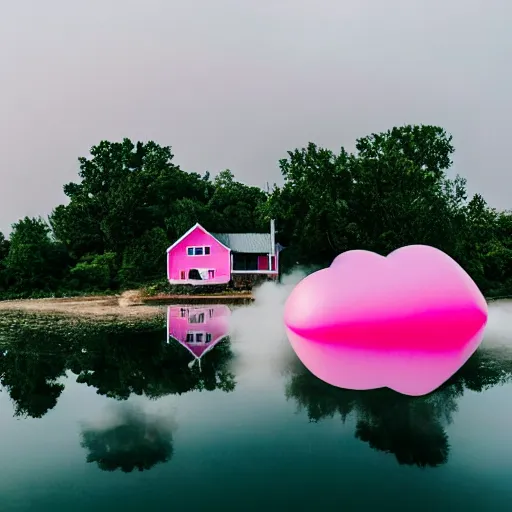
[(232, 84)]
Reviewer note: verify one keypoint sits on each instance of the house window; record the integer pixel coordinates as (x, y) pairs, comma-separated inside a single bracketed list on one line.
[(199, 337), (242, 261), (211, 274), (190, 337), (198, 318), (182, 274), (199, 250), (208, 337), (183, 312)]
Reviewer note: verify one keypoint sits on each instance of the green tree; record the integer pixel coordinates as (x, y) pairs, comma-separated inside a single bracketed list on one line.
[(77, 226), (312, 208), (35, 261), (125, 189), (4, 251), (392, 192), (401, 194), (232, 206), (131, 201), (145, 258), (95, 272), (183, 214), (4, 247)]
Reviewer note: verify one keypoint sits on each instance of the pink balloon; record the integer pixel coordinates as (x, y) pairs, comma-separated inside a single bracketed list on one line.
[(407, 321)]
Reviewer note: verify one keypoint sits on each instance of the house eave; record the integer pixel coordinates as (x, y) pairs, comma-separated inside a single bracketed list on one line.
[(196, 225)]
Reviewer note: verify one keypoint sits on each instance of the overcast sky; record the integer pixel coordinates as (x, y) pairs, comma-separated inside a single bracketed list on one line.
[(236, 83)]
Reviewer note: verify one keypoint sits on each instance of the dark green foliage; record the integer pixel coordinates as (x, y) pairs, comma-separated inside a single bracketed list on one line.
[(132, 201), (144, 258), (4, 251), (34, 260), (393, 191), (97, 272)]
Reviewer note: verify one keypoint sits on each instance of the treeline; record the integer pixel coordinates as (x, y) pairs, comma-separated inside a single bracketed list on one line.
[(130, 204), (132, 201)]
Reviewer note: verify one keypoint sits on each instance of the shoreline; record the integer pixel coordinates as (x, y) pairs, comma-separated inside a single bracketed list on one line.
[(130, 304), (233, 298)]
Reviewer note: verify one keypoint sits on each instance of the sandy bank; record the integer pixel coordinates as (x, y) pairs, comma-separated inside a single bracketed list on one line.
[(130, 304), (105, 307)]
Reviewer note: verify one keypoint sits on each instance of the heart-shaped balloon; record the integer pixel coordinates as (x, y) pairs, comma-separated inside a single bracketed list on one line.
[(413, 373), (415, 310)]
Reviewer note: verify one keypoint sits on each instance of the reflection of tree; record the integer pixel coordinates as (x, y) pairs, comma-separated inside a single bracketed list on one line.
[(412, 428), (119, 365), (118, 359), (29, 373), (133, 442), (118, 362)]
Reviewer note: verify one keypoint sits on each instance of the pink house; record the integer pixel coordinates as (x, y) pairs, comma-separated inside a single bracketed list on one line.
[(198, 329), (200, 257)]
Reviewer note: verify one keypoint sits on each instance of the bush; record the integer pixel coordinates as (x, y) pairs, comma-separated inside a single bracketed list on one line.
[(94, 272), (91, 277), (163, 287)]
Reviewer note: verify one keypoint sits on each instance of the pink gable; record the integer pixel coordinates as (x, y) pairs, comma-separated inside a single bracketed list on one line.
[(213, 265)]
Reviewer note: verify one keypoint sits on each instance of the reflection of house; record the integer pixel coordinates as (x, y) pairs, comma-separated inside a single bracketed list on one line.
[(198, 329), (200, 257)]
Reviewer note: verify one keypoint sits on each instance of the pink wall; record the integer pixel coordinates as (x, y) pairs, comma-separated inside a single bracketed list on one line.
[(179, 261)]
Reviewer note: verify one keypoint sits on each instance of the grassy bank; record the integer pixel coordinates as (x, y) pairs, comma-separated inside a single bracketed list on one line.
[(12, 322), (160, 288)]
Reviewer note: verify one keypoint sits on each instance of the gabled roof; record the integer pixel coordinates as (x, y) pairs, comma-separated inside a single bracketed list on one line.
[(196, 225), (253, 243)]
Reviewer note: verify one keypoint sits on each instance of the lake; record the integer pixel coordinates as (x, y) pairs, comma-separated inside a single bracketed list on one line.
[(125, 417)]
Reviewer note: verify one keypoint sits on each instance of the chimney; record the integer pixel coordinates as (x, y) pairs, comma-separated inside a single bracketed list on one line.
[(273, 236)]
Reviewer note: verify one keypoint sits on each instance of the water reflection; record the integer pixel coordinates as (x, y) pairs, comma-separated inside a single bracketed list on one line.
[(410, 428), (412, 372), (131, 440), (118, 360), (29, 371), (121, 360), (198, 329)]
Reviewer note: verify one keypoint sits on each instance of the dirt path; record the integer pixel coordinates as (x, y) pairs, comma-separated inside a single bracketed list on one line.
[(110, 306), (127, 305)]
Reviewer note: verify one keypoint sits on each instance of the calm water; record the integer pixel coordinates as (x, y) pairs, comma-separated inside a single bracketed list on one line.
[(123, 418)]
